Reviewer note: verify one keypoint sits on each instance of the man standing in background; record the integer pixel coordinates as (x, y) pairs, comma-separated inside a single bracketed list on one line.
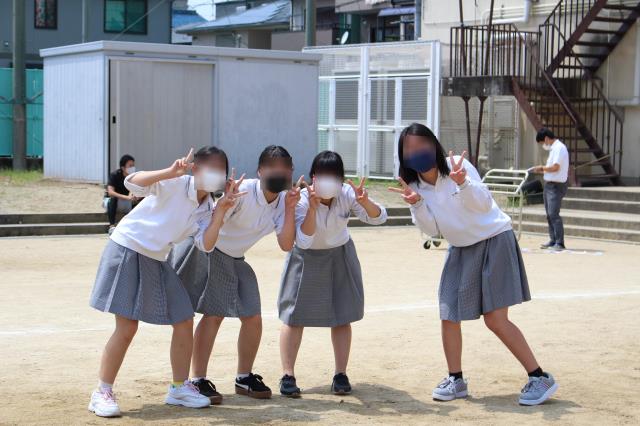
[(556, 172)]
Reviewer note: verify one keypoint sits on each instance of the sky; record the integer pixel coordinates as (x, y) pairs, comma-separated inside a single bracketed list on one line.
[(204, 7)]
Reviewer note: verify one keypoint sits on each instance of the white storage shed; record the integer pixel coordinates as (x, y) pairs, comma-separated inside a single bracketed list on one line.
[(154, 101)]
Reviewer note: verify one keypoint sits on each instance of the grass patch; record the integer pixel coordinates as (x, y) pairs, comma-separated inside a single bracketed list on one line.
[(13, 177)]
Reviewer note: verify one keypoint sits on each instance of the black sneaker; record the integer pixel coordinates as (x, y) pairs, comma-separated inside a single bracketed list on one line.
[(288, 387), (547, 245), (208, 389), (341, 385), (253, 386)]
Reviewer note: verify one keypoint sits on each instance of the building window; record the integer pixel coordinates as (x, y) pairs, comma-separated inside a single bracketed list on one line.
[(45, 14), (127, 16)]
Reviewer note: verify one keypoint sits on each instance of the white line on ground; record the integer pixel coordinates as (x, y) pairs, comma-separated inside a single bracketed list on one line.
[(370, 310)]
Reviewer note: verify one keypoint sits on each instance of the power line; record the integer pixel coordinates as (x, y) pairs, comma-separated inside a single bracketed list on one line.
[(139, 19)]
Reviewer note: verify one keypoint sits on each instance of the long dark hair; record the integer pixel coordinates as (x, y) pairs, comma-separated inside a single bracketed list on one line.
[(417, 129), (328, 162)]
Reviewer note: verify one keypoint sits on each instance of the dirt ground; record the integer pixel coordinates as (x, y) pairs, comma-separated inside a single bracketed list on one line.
[(583, 325), (38, 195)]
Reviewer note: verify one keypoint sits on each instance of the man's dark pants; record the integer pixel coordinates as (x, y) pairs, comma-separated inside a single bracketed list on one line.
[(553, 194)]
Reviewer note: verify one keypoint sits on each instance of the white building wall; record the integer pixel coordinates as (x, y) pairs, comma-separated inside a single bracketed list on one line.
[(74, 114)]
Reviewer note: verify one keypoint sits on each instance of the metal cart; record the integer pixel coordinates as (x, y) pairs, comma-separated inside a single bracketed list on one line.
[(506, 187)]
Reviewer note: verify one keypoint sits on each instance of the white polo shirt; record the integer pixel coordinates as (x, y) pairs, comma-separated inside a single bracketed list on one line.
[(463, 215), (558, 155), (169, 213), (331, 221), (251, 219)]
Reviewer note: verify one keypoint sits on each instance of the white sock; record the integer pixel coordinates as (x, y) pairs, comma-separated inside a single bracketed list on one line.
[(195, 379), (241, 376), (104, 387)]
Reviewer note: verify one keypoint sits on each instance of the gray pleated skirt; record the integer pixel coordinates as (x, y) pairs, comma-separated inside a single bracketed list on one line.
[(137, 287), (218, 284), (483, 277), (321, 288)]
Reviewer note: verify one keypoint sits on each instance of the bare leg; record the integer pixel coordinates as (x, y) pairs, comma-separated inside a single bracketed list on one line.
[(341, 339), (181, 347), (452, 344), (116, 348), (203, 340), (290, 339), (498, 322), (248, 342)]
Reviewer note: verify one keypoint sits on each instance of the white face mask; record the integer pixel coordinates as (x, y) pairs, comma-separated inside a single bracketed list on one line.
[(327, 187), (130, 170), (210, 180), (546, 147)]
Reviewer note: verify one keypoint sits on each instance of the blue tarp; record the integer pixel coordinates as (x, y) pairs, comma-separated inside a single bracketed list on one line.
[(277, 12), (396, 11)]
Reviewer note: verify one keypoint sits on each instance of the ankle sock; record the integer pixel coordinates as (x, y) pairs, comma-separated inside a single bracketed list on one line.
[(456, 376), (537, 373), (103, 387), (241, 376), (195, 379), (176, 384)]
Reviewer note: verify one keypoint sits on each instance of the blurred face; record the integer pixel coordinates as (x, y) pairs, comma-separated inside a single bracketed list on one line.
[(129, 167), (210, 174), (275, 176), (418, 153), (327, 185)]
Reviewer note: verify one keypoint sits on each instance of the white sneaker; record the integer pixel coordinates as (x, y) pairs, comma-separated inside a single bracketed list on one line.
[(449, 389), (538, 390), (186, 395), (104, 404)]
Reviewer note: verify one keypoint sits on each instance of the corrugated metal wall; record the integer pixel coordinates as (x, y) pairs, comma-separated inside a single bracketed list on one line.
[(74, 94)]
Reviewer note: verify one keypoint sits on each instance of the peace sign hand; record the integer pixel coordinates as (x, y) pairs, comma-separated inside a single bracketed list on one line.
[(231, 192), (408, 194), (293, 195), (458, 173), (182, 165), (314, 199), (362, 196)]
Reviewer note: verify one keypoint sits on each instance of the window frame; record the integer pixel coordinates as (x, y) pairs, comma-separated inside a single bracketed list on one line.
[(35, 18), (145, 19)]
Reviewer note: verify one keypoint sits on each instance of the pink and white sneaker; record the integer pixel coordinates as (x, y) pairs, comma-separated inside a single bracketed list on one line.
[(186, 395), (104, 404)]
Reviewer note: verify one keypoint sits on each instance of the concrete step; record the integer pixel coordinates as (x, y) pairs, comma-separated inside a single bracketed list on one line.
[(586, 218), (606, 193), (615, 206), (587, 231), (31, 229), (49, 218)]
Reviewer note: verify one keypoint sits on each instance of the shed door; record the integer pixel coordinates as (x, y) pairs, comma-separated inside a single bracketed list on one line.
[(158, 110)]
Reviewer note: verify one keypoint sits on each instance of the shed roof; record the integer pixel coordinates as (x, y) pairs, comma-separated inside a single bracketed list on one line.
[(277, 13), (180, 18)]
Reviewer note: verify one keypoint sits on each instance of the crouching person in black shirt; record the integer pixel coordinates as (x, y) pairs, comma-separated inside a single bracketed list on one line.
[(119, 198)]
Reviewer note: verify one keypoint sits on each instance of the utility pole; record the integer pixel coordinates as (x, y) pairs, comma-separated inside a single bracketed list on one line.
[(85, 21), (310, 23), (19, 124)]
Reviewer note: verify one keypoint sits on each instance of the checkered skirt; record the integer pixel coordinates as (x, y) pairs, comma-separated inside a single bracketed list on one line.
[(137, 287), (483, 277)]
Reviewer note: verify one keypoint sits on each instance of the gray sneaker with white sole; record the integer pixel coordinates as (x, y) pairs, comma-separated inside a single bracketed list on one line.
[(449, 389), (538, 390)]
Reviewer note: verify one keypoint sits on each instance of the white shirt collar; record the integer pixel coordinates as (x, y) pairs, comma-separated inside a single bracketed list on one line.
[(262, 200), (192, 194)]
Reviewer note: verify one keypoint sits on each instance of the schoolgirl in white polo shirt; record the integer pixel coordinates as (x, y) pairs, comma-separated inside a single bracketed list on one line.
[(484, 273), (135, 283), (230, 287), (322, 280)]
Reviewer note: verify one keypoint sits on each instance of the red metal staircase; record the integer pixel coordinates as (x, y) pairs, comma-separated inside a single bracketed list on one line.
[(553, 77)]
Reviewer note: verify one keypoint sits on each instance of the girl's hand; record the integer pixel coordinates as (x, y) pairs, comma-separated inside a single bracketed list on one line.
[(408, 194), (231, 194), (293, 195), (458, 173), (362, 196), (182, 165), (314, 200)]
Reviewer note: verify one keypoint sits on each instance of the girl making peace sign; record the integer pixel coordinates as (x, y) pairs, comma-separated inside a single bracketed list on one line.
[(484, 273)]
